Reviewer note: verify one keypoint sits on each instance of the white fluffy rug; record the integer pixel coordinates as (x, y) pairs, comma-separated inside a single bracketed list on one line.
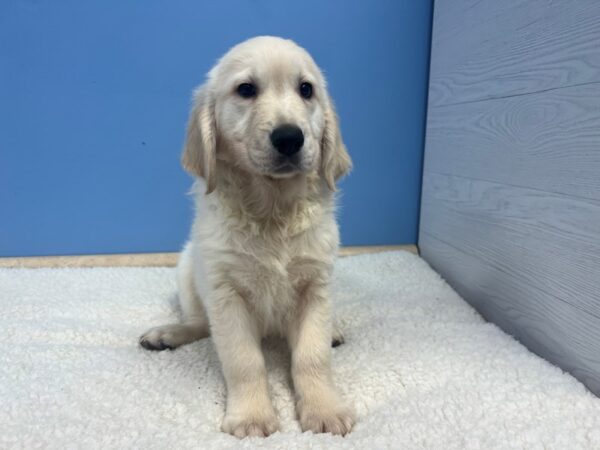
[(421, 367)]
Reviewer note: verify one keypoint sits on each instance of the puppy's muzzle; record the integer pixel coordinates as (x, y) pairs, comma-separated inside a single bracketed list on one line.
[(287, 139)]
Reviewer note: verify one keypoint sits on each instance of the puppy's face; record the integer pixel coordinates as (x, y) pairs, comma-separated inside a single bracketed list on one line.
[(265, 109), (269, 108)]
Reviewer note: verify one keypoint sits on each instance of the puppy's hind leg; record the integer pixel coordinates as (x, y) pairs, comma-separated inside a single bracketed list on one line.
[(194, 324), (337, 337)]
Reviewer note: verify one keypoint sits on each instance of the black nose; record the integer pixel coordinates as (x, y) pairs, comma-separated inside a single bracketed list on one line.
[(287, 139)]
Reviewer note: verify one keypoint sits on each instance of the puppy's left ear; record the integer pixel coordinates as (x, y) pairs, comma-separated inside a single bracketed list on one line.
[(335, 160)]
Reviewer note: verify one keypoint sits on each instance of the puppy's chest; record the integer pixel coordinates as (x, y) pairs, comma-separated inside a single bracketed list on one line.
[(274, 283), (271, 263)]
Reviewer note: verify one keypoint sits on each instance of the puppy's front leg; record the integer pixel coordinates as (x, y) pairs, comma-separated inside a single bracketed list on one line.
[(249, 408), (320, 408)]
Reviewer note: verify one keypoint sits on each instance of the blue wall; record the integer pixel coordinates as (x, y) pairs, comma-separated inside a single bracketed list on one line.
[(94, 98)]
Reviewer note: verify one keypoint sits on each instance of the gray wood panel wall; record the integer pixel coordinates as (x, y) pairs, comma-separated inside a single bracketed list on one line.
[(510, 212)]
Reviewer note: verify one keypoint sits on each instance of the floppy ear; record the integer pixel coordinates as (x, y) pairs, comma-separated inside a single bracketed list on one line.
[(199, 154), (335, 160)]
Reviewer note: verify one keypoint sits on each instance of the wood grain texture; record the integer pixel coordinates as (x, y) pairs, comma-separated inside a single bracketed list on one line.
[(153, 259), (550, 242), (559, 332), (547, 141), (484, 49)]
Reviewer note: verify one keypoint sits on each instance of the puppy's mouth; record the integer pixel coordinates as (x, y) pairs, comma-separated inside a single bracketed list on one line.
[(284, 170), (287, 167), (279, 167)]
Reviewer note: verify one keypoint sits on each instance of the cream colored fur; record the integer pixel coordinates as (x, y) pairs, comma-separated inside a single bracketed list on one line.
[(263, 244)]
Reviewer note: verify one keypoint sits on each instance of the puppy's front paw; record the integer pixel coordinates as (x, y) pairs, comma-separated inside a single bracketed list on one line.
[(322, 418), (260, 425)]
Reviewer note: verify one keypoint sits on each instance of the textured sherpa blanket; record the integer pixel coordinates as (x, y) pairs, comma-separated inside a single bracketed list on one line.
[(422, 368)]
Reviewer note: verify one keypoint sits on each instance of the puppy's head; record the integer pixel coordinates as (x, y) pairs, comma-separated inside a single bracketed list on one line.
[(265, 109)]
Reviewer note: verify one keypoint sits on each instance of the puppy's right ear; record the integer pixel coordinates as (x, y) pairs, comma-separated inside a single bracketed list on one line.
[(200, 152)]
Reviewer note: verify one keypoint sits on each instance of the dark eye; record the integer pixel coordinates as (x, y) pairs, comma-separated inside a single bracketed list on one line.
[(246, 90), (306, 90)]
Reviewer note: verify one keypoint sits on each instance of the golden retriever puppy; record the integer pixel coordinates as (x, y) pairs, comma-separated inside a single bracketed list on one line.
[(264, 141)]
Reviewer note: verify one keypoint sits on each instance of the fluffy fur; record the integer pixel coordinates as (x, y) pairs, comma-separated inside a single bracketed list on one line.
[(263, 243)]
